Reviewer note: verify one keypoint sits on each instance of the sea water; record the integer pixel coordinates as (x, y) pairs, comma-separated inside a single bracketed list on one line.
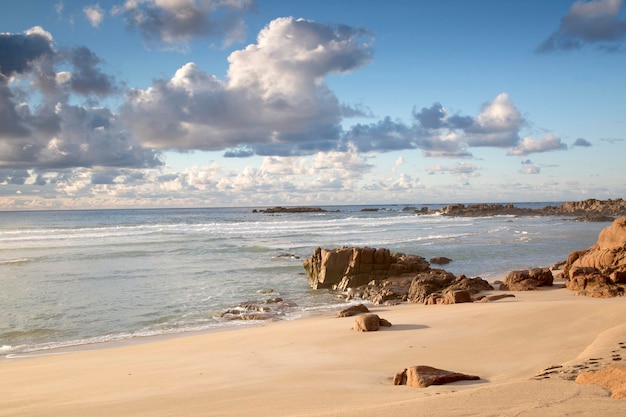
[(71, 278)]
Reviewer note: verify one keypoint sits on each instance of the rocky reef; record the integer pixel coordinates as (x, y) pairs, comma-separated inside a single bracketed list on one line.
[(587, 210)]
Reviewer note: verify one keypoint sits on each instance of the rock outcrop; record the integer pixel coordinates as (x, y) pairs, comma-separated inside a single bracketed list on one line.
[(278, 209), (424, 376), (527, 279), (382, 277), (352, 267), (587, 210), (369, 323), (600, 271)]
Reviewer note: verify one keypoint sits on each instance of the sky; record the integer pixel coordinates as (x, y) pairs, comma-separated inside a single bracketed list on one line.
[(250, 103)]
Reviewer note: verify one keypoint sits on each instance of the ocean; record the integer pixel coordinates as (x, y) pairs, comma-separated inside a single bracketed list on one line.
[(77, 278)]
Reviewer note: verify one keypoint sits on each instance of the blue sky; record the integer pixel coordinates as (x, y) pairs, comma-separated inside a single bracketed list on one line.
[(183, 103)]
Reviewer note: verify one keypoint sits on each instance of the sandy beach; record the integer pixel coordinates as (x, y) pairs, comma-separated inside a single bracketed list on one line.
[(318, 366)]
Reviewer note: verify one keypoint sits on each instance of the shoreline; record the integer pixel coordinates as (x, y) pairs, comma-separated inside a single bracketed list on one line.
[(315, 366)]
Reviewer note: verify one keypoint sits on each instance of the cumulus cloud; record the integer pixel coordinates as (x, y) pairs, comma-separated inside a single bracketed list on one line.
[(42, 125), (582, 142), (496, 125), (274, 100), (595, 22), (95, 14), (531, 145), (177, 21)]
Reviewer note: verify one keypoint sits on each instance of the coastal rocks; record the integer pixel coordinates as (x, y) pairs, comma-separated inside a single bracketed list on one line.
[(268, 309), (422, 376), (600, 271), (527, 280), (612, 377), (369, 323), (278, 209), (350, 267), (590, 208), (382, 277), (587, 210), (482, 210), (441, 287)]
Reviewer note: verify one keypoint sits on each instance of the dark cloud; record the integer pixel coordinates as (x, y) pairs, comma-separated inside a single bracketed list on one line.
[(178, 22), (594, 22), (243, 152), (87, 78), (582, 142), (14, 177), (18, 51), (42, 127)]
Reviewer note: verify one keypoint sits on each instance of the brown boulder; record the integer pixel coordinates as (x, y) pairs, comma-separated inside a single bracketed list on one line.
[(424, 376), (612, 377), (600, 271), (527, 279), (369, 323), (432, 287), (353, 310)]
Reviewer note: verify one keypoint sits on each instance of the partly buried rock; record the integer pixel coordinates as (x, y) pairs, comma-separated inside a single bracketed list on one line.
[(600, 271), (527, 279), (353, 310), (369, 323), (612, 377), (422, 376)]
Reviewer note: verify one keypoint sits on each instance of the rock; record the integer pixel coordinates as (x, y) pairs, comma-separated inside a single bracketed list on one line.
[(369, 323), (351, 267), (456, 297), (440, 260), (600, 271), (587, 210), (527, 280), (429, 288), (353, 310), (424, 376), (279, 209), (494, 297), (612, 377), (400, 378)]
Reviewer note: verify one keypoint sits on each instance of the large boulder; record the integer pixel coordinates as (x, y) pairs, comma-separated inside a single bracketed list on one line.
[(351, 267), (422, 376), (527, 279), (369, 323), (600, 271)]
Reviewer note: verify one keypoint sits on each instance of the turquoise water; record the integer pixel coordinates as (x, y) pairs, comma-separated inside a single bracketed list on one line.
[(76, 277)]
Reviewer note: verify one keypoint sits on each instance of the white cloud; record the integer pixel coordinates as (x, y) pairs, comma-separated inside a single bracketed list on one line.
[(531, 145), (273, 101), (497, 124), (95, 14)]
